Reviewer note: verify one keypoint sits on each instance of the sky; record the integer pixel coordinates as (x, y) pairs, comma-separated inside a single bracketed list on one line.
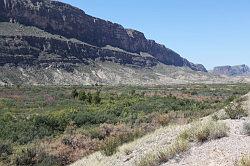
[(210, 32)]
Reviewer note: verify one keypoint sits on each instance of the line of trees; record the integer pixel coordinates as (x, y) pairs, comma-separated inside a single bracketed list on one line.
[(88, 97)]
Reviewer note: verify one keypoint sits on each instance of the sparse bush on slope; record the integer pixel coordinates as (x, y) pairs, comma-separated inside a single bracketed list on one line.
[(200, 132), (111, 144), (165, 154), (35, 157), (235, 109), (244, 161)]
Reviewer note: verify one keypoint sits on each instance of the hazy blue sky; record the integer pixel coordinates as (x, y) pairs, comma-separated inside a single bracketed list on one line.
[(211, 32)]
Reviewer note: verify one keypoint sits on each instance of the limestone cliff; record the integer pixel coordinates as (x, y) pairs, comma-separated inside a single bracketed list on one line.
[(68, 22)]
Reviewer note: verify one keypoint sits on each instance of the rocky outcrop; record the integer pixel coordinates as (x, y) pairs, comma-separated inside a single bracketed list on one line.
[(70, 22), (29, 46), (239, 70)]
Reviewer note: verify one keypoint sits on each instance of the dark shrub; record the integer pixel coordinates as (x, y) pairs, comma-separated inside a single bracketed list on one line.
[(35, 157), (89, 98), (97, 98), (74, 93), (92, 117), (132, 92), (5, 149), (82, 96)]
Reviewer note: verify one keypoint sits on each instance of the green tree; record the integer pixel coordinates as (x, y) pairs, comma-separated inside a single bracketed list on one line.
[(89, 97), (82, 96), (97, 98), (74, 93), (132, 92)]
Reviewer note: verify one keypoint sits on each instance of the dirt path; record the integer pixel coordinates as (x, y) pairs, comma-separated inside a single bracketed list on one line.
[(221, 152)]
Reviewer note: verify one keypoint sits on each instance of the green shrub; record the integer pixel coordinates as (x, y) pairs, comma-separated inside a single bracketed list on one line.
[(82, 96), (34, 113), (89, 98), (35, 157), (132, 92), (55, 122), (194, 92), (231, 99), (74, 93), (22, 131), (95, 133), (92, 117), (5, 149), (110, 146), (96, 97)]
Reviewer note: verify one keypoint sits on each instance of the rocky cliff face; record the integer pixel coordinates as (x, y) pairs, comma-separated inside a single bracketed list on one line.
[(239, 70), (91, 36), (29, 46)]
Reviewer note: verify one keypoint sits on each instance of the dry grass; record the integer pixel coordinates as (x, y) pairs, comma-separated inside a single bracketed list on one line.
[(128, 151), (203, 131), (235, 110), (181, 145), (156, 158), (162, 119), (220, 115), (244, 161), (148, 160), (199, 132)]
